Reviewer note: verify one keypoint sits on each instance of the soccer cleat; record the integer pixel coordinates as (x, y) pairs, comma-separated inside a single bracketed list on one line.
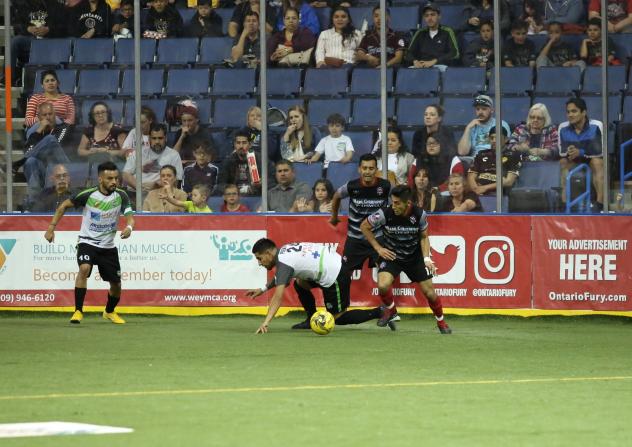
[(388, 318), (76, 317), (302, 325), (443, 327), (113, 317)]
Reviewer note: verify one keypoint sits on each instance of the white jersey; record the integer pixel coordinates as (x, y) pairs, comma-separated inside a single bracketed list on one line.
[(309, 261)]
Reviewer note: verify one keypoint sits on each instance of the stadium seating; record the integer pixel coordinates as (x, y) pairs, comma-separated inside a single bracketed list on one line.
[(233, 82), (595, 108), (151, 82), (159, 106), (458, 111), (627, 109), (528, 200), (102, 83), (514, 81), (93, 52), (54, 52), (340, 173), (488, 203), (205, 107), (464, 81), (283, 82), (537, 179), (557, 81), (226, 14), (556, 107), (404, 18), (115, 105), (452, 16), (325, 82), (417, 82), (514, 109), (623, 45), (67, 81), (308, 173), (186, 14), (362, 142), (177, 51), (592, 80), (187, 82), (231, 113), (367, 111), (359, 14), (320, 109), (410, 111), (324, 16), (213, 50), (124, 51), (366, 82), (284, 103)]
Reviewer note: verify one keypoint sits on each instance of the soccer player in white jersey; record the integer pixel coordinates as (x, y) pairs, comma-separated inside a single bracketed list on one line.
[(102, 206), (312, 265)]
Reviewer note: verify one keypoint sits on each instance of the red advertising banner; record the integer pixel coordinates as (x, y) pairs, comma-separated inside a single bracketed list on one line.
[(582, 262)]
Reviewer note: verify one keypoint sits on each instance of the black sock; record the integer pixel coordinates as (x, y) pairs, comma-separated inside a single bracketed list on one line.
[(112, 302), (80, 295), (357, 316), (307, 300)]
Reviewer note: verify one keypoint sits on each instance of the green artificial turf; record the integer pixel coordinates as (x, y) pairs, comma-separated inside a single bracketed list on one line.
[(209, 381)]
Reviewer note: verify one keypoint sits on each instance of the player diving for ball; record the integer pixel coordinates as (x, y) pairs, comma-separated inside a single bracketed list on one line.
[(405, 243), (312, 265)]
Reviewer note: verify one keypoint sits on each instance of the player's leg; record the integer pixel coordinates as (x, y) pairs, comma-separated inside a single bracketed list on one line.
[(435, 304), (305, 296), (84, 260), (337, 300), (385, 278), (110, 271)]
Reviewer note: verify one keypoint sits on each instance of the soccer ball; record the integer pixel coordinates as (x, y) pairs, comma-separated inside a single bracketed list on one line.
[(322, 322)]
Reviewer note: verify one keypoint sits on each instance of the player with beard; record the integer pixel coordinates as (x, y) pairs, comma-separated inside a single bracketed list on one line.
[(102, 206)]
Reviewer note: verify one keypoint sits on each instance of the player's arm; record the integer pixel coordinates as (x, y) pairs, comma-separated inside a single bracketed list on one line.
[(273, 308), (59, 213), (367, 225), (127, 232), (340, 194), (424, 241)]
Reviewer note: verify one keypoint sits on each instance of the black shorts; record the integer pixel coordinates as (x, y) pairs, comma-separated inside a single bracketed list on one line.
[(105, 258), (415, 270), (336, 296), (355, 252)]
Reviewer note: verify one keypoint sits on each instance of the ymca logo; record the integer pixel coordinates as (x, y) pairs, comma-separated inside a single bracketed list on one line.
[(448, 254), (232, 249), (6, 247)]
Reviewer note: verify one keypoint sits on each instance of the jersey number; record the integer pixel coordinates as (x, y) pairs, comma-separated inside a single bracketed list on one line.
[(84, 257), (293, 248)]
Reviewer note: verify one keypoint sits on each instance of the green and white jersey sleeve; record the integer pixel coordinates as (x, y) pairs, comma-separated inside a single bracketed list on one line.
[(100, 215), (311, 261)]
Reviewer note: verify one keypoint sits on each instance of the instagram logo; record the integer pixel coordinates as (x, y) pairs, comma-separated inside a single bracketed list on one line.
[(494, 260)]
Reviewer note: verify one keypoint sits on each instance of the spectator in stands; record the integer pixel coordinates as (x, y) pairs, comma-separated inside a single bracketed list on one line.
[(102, 140), (480, 11), (162, 20), (337, 45), (147, 119), (50, 198), (424, 196), (335, 146), (202, 171), (154, 204), (435, 45), (253, 128), (620, 204), (31, 19), (237, 171), (293, 45), (433, 116), (246, 51), (205, 22), (287, 190), (90, 19), (153, 159), (299, 139), (191, 134), (519, 51), (322, 193), (399, 159), (556, 52), (307, 16), (124, 20), (580, 142), (590, 50), (475, 135), (197, 204), (461, 199), (619, 14), (231, 201), (368, 52), (63, 104), (333, 3), (440, 162), (481, 177), (533, 16), (480, 51), (570, 13), (236, 24), (537, 139), (43, 147)]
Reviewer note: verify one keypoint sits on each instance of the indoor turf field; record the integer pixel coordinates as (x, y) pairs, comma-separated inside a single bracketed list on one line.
[(209, 381)]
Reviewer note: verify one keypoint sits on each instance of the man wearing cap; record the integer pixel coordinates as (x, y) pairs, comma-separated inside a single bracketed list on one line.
[(191, 134), (475, 135), (481, 177), (433, 46)]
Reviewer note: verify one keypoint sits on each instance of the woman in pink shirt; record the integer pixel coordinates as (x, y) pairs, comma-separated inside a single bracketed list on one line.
[(63, 104)]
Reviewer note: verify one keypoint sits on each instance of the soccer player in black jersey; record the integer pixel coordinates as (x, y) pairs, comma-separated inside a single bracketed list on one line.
[(405, 243)]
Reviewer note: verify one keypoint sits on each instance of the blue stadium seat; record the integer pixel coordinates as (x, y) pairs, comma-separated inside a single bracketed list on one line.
[(284, 81), (308, 173), (539, 40), (324, 17), (592, 80), (410, 111), (595, 109), (543, 176), (623, 45), (231, 113), (362, 142), (177, 51), (366, 82), (452, 16), (320, 109), (213, 50), (226, 14), (186, 14), (556, 107), (223, 146), (116, 105), (50, 52), (204, 110), (124, 51), (557, 81), (458, 111), (233, 82), (488, 203), (67, 81), (417, 82), (514, 81), (151, 82), (408, 138), (627, 109), (404, 18), (98, 82), (340, 173), (515, 109), (325, 82), (93, 52), (359, 14), (464, 81), (159, 106), (187, 82), (367, 111), (284, 103)]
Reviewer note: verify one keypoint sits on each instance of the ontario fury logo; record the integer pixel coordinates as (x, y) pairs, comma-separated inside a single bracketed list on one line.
[(6, 247), (448, 254)]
